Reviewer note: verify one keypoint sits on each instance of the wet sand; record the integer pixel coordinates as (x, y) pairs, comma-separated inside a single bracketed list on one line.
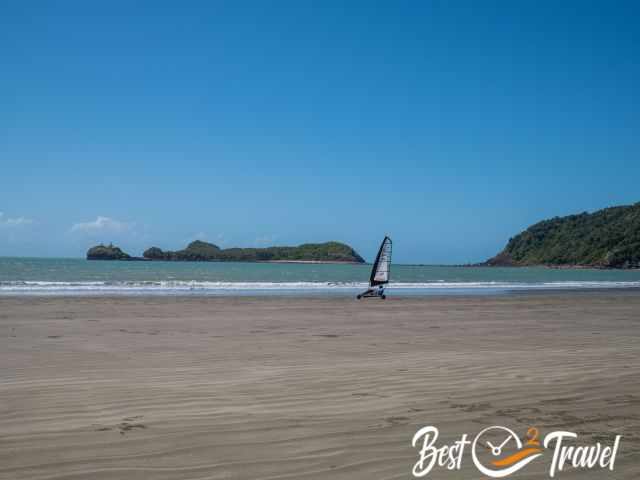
[(291, 388)]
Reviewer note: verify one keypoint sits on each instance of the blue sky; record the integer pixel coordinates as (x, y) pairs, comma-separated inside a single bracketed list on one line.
[(449, 125)]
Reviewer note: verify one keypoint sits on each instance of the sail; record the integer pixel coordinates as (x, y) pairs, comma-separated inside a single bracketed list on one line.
[(382, 265)]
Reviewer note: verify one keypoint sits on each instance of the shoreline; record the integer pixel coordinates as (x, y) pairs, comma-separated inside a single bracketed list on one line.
[(327, 262), (287, 296), (552, 267), (311, 293)]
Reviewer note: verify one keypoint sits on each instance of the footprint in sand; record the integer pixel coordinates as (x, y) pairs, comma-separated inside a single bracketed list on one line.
[(397, 420), (127, 424)]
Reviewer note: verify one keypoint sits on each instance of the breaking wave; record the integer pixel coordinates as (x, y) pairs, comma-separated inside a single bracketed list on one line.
[(180, 287)]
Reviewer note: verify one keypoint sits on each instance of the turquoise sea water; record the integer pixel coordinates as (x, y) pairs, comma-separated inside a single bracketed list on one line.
[(78, 276)]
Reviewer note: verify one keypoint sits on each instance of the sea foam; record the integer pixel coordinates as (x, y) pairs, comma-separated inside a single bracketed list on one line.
[(178, 287)]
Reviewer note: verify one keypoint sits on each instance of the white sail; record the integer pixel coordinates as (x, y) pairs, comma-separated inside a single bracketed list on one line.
[(382, 265)]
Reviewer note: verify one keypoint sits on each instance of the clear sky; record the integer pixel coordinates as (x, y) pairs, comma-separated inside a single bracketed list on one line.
[(448, 125)]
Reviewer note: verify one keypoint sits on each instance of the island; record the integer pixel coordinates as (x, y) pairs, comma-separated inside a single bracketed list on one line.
[(608, 238), (107, 252), (199, 251)]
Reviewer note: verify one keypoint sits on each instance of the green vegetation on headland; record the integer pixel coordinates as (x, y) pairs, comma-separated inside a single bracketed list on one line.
[(200, 251), (608, 238)]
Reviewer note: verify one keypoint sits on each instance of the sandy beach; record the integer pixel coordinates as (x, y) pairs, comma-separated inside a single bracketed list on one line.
[(294, 388)]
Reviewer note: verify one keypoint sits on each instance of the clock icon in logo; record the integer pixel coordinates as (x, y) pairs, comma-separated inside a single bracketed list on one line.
[(497, 451)]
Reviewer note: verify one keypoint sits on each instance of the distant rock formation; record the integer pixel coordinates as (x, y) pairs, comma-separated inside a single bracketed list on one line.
[(107, 252), (608, 238), (199, 251), (310, 252), (195, 251)]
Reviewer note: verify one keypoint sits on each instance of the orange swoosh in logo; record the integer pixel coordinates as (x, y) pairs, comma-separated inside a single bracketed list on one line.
[(511, 459)]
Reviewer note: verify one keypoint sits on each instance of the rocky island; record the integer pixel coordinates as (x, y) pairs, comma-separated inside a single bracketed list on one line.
[(199, 251), (107, 252), (608, 238)]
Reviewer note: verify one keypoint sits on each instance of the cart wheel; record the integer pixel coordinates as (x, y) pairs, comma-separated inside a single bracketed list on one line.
[(359, 297), (383, 296)]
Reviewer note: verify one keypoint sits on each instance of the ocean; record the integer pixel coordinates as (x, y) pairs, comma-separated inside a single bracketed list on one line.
[(63, 276)]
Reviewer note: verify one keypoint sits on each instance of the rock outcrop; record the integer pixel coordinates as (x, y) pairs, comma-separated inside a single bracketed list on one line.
[(107, 252)]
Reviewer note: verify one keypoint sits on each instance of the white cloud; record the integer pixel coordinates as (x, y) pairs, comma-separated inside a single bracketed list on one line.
[(9, 222), (100, 225)]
